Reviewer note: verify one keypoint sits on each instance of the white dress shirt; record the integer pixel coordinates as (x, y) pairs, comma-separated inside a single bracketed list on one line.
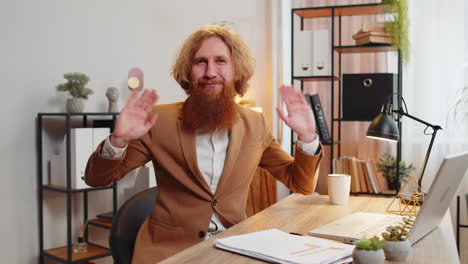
[(211, 153)]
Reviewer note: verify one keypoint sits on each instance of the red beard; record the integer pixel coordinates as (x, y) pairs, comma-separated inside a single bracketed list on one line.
[(205, 111)]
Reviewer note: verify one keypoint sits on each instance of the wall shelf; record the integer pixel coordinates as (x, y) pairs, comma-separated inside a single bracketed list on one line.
[(64, 189), (345, 10), (316, 78), (337, 50), (366, 48), (65, 254), (94, 252), (103, 223)]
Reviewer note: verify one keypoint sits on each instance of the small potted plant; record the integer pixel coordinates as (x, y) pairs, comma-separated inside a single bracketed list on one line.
[(75, 85), (368, 250), (387, 166), (397, 247)]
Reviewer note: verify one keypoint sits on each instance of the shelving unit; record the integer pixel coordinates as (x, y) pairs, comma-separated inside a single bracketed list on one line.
[(65, 254), (338, 49)]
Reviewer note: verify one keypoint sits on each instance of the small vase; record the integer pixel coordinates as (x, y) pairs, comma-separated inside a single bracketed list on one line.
[(397, 250), (362, 256), (75, 105)]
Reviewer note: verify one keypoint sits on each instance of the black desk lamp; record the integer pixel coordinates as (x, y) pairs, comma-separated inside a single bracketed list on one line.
[(384, 127)]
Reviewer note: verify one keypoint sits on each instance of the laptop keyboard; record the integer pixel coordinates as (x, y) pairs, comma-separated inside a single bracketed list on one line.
[(379, 226)]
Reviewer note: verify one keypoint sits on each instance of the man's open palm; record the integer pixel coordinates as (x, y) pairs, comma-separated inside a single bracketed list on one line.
[(136, 118), (300, 117)]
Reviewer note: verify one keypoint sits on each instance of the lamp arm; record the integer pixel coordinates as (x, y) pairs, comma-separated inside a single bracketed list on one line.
[(428, 153), (421, 174), (403, 113)]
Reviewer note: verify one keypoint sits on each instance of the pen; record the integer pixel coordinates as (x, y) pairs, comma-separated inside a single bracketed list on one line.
[(296, 234)]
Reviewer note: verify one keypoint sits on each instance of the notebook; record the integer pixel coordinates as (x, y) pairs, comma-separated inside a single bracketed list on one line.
[(436, 203), (277, 246)]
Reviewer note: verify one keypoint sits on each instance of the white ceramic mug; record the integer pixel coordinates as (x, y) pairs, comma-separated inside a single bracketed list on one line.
[(339, 186)]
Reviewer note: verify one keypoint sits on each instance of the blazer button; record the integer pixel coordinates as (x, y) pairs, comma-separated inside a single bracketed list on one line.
[(215, 202), (201, 234)]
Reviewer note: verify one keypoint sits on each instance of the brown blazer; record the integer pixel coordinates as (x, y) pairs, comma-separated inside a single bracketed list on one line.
[(185, 202)]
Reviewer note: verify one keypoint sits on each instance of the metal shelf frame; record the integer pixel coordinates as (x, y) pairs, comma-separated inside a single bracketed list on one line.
[(68, 191), (336, 13)]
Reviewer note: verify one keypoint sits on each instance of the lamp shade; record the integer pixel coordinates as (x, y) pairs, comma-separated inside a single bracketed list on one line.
[(383, 127)]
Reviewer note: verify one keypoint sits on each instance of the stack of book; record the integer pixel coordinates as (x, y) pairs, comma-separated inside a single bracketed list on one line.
[(373, 33), (364, 175)]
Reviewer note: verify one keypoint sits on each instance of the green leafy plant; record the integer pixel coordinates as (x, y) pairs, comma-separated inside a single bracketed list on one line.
[(75, 85), (398, 232), (387, 166), (399, 27), (373, 243)]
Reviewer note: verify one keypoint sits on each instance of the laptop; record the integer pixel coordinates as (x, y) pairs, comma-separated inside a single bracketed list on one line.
[(436, 203)]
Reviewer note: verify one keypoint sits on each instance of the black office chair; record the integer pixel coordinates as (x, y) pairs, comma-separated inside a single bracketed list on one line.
[(127, 222)]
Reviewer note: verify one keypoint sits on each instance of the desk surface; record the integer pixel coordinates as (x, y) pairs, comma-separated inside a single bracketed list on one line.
[(299, 213)]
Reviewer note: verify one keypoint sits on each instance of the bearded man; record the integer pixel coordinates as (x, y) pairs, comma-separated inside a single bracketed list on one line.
[(205, 150)]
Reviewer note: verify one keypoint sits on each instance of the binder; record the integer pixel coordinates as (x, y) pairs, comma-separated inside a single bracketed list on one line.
[(83, 142), (320, 121)]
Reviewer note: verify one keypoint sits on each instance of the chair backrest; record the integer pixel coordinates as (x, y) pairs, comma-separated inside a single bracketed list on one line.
[(127, 223)]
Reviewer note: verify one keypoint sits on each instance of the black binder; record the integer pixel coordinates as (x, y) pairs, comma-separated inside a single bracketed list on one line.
[(320, 121)]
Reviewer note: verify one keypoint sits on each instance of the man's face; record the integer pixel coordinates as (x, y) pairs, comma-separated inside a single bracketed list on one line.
[(212, 67)]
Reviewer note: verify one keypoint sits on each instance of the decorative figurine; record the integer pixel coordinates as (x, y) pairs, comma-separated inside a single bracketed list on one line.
[(112, 95)]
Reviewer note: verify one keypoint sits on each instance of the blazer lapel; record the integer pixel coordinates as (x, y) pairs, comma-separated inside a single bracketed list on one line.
[(188, 144), (235, 141)]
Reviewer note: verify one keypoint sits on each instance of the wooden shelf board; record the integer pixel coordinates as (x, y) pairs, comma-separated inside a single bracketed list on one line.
[(56, 187), (64, 189), (315, 78), (311, 13), (105, 223), (93, 251), (351, 10), (360, 10), (364, 48)]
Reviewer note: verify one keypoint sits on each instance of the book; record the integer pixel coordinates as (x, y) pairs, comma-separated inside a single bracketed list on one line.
[(374, 39), (354, 175), (361, 34), (276, 246), (107, 216), (373, 26), (382, 181), (320, 121), (367, 171), (362, 177)]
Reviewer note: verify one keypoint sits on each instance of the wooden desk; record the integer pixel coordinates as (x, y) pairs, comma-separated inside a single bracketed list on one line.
[(299, 213)]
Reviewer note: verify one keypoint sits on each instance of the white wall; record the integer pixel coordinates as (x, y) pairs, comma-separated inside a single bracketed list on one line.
[(41, 40)]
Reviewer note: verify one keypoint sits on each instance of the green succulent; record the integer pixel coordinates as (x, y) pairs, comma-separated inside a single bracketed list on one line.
[(387, 166), (399, 232), (373, 243), (75, 85)]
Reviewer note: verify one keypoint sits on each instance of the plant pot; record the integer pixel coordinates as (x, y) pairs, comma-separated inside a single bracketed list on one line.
[(362, 256), (392, 185), (75, 105), (397, 250)]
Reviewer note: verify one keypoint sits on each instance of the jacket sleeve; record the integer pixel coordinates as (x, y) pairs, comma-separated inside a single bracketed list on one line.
[(102, 171), (299, 174)]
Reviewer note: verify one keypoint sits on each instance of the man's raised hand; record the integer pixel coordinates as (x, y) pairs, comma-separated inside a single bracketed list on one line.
[(135, 119), (300, 117)]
